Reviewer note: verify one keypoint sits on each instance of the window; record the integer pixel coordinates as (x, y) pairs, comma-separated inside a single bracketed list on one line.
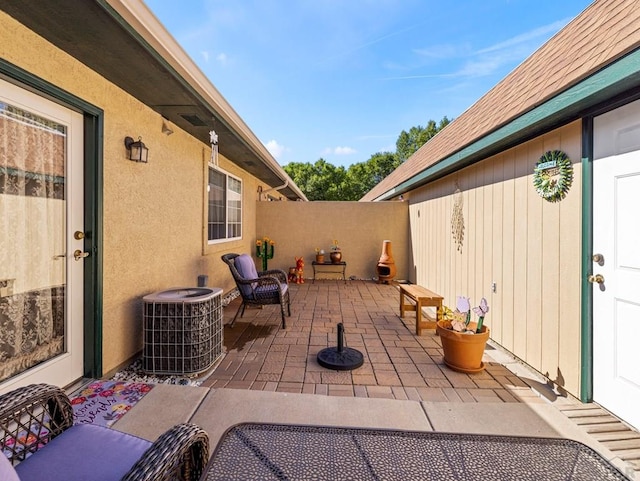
[(225, 206)]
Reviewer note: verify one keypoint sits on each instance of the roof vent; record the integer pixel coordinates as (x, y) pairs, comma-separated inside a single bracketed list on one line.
[(194, 120)]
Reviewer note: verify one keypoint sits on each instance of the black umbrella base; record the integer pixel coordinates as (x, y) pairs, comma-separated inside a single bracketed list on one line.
[(343, 359)]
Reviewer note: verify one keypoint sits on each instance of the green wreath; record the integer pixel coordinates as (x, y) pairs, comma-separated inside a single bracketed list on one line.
[(553, 175)]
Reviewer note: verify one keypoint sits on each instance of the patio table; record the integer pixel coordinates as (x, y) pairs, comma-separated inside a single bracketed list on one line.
[(294, 452)]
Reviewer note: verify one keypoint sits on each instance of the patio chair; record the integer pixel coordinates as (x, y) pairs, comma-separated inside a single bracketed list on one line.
[(38, 436), (258, 288)]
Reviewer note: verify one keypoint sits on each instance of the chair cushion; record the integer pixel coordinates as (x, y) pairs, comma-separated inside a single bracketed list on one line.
[(270, 289), (247, 269), (7, 473), (84, 452)]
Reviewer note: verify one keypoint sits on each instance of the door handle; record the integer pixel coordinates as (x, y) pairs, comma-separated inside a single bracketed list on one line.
[(78, 254), (596, 279)]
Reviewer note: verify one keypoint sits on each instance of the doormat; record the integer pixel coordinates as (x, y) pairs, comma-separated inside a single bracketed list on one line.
[(104, 402)]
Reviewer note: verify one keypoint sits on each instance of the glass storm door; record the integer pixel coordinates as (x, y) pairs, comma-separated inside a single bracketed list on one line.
[(41, 208)]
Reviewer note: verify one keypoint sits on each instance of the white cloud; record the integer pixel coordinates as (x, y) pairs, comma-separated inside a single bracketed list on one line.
[(344, 151), (488, 60), (339, 151), (275, 148), (514, 49), (527, 37), (221, 57), (445, 51)]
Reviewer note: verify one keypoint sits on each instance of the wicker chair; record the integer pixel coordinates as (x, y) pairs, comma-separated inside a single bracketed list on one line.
[(258, 288), (37, 435)]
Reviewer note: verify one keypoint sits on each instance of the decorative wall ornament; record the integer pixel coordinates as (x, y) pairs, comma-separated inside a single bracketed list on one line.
[(457, 218), (213, 140), (553, 175)]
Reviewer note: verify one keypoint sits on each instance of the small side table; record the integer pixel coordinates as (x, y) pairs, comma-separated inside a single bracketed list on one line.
[(326, 267)]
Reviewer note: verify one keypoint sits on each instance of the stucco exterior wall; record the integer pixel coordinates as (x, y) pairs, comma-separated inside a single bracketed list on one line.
[(154, 214), (359, 227), (527, 246)]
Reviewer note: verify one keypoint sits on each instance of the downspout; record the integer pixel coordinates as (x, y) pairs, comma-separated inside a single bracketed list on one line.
[(261, 193)]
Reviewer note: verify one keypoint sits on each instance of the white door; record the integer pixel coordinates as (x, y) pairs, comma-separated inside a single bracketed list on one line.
[(616, 239), (41, 208)]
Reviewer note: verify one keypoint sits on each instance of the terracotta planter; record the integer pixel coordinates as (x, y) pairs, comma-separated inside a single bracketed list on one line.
[(336, 256), (463, 352), (320, 258)]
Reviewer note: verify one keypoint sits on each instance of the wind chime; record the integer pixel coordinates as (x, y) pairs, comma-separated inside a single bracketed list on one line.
[(213, 140)]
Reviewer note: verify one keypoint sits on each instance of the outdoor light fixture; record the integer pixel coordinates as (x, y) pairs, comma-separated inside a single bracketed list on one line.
[(138, 152)]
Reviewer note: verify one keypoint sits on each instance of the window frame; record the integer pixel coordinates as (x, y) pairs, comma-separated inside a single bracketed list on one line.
[(230, 196)]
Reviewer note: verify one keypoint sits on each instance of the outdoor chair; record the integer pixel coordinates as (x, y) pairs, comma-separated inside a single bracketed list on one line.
[(38, 436), (258, 288)]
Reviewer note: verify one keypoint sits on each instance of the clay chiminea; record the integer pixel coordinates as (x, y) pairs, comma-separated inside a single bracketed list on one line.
[(386, 267)]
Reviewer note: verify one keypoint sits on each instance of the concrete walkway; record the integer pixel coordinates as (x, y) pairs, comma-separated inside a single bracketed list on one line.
[(271, 375)]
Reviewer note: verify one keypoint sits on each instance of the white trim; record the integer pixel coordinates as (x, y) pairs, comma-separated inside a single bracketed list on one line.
[(227, 175)]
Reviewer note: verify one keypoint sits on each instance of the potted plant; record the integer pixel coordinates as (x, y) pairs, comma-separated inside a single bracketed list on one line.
[(463, 341), (319, 255), (336, 253)]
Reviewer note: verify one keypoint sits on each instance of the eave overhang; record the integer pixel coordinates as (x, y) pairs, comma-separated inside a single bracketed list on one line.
[(125, 43), (617, 79)]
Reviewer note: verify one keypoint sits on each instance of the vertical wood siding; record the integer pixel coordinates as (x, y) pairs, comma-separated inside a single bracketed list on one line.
[(528, 246)]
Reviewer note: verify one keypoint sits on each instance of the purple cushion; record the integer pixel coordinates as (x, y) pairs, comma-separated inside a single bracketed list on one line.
[(247, 269), (7, 473), (84, 452), (272, 289)]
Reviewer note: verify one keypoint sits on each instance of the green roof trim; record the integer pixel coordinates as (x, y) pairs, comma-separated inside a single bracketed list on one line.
[(614, 79)]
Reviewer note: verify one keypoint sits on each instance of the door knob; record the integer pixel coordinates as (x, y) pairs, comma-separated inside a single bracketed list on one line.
[(78, 254), (598, 259), (78, 235), (596, 279)]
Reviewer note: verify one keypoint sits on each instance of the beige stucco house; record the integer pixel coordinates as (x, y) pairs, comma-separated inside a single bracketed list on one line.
[(560, 266), (85, 232)]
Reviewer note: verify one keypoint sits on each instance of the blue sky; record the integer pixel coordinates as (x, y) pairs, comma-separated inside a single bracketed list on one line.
[(340, 79)]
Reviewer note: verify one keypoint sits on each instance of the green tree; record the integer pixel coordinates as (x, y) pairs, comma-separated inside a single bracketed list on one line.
[(409, 142), (319, 181), (325, 181), (363, 176)]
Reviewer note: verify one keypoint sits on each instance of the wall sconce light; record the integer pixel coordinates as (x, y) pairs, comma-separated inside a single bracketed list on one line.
[(138, 152)]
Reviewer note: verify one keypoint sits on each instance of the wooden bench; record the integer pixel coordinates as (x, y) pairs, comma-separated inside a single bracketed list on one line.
[(423, 298)]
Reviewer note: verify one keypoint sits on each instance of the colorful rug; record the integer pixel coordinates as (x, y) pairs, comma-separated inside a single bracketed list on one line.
[(104, 402)]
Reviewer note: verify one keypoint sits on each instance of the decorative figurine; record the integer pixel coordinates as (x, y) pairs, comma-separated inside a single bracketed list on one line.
[(264, 250), (299, 270)]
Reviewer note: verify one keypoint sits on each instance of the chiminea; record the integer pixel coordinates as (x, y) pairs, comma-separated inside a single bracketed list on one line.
[(386, 268)]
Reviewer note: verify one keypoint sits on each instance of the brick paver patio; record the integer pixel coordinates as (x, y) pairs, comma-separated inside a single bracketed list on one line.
[(398, 364)]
